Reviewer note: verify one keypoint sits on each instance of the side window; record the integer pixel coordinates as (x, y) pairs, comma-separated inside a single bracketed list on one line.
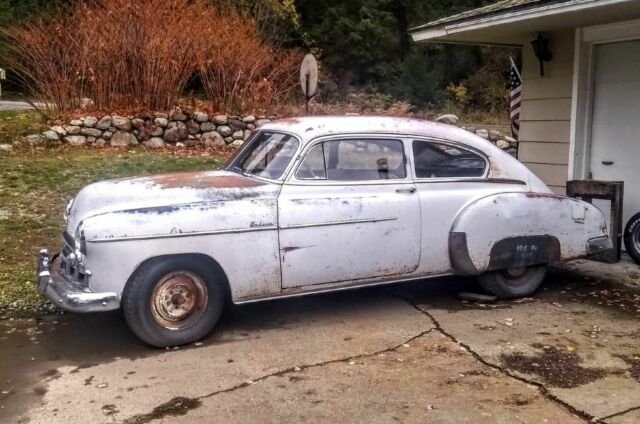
[(354, 160), (313, 166), (439, 160)]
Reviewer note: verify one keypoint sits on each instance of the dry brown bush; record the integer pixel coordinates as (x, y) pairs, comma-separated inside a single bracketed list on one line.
[(140, 54), (239, 71)]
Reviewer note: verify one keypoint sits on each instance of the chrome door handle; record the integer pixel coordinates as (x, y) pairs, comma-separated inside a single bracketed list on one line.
[(406, 190)]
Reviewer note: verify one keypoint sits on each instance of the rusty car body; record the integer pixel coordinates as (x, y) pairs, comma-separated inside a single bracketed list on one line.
[(312, 205)]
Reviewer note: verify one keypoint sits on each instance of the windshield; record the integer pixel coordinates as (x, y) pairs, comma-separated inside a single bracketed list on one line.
[(267, 155)]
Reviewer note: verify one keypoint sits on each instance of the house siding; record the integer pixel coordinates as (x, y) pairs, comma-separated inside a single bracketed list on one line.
[(546, 111)]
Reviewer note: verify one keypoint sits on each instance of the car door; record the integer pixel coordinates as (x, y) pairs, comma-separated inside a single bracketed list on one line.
[(348, 212)]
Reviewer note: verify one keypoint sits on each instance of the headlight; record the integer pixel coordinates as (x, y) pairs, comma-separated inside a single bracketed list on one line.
[(67, 209), (80, 242)]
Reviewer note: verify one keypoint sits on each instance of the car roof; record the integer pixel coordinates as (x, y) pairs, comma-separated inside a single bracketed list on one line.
[(502, 164), (309, 128)]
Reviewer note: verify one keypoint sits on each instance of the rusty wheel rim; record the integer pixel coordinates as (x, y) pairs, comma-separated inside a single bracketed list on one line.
[(179, 300)]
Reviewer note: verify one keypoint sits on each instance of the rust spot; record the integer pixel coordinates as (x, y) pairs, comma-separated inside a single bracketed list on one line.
[(532, 195), (202, 180)]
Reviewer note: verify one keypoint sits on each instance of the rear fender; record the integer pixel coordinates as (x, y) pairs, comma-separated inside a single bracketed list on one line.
[(510, 230)]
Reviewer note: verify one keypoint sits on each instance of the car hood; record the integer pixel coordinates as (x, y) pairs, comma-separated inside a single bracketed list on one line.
[(164, 191)]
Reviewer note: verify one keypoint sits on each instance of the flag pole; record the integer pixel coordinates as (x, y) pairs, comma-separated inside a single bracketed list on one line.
[(515, 68)]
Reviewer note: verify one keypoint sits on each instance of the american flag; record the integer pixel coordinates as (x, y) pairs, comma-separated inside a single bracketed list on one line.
[(515, 85)]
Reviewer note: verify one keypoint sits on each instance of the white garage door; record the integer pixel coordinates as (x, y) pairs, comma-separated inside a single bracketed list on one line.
[(615, 140)]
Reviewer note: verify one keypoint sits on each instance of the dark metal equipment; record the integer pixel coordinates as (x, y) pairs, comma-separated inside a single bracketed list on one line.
[(613, 191)]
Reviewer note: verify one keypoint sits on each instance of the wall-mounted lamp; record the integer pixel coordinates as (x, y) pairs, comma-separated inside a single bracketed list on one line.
[(541, 49)]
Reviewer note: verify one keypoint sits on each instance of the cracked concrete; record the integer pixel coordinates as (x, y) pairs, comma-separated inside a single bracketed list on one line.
[(407, 353)]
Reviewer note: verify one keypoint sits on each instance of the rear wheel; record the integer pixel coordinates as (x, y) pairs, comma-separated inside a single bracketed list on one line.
[(173, 301), (632, 237), (513, 282)]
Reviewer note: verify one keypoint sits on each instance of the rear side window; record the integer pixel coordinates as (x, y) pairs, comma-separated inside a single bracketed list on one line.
[(354, 160), (439, 160)]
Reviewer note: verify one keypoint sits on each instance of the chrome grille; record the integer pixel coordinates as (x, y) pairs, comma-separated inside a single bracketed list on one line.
[(71, 268)]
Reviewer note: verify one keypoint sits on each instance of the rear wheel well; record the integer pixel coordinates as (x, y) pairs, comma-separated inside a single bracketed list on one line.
[(208, 260)]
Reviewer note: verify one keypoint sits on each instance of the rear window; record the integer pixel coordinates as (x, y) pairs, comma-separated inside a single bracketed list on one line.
[(440, 160)]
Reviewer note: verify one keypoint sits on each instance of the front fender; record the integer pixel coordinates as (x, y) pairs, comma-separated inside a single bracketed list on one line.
[(509, 230)]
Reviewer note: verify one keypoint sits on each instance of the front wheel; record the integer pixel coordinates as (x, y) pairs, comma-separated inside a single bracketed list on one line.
[(173, 301), (632, 238), (514, 282)]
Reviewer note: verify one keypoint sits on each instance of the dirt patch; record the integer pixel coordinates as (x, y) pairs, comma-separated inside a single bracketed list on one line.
[(634, 363), (556, 367), (175, 407)]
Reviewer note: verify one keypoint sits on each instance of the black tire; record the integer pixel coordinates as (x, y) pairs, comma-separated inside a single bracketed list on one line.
[(174, 300), (509, 284), (632, 238)]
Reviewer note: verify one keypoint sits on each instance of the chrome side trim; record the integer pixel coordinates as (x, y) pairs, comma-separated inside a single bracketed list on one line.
[(178, 235), (332, 223), (360, 285)]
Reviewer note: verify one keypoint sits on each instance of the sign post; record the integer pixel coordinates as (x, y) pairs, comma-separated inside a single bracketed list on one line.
[(3, 76), (309, 78)]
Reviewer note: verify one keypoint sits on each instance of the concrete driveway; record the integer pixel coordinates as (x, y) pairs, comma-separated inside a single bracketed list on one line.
[(406, 353)]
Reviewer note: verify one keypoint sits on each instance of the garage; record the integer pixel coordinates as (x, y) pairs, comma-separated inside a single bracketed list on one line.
[(615, 139)]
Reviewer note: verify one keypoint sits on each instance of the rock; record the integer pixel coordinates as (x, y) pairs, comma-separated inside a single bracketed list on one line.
[(75, 140), (212, 139), (59, 130), (154, 143), (503, 144), (471, 129), (220, 119), (107, 135), (495, 135), (34, 139), (6, 147), (91, 139), (228, 140), (236, 123), (76, 122), (91, 132), (123, 138), (161, 122), (207, 127), (104, 123), (249, 119), (51, 135), (121, 123), (177, 115), (246, 135), (225, 130), (251, 126), (137, 123), (179, 144), (192, 126), (155, 131), (261, 122), (177, 131), (513, 152), (511, 140), (90, 121), (161, 115), (72, 129), (201, 117), (237, 143), (101, 142), (483, 134), (448, 118), (238, 135)]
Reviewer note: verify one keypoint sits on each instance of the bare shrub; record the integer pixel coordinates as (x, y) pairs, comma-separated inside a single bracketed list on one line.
[(239, 71), (138, 55)]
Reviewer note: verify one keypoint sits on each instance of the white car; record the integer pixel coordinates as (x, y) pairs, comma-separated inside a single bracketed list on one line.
[(313, 205)]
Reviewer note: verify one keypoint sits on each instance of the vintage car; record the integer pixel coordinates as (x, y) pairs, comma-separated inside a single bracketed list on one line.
[(313, 205)]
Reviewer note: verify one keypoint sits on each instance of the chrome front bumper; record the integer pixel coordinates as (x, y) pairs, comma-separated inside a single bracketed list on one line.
[(69, 295)]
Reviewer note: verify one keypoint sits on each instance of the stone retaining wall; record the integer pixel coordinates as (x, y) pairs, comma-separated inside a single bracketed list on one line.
[(174, 129), (184, 129)]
